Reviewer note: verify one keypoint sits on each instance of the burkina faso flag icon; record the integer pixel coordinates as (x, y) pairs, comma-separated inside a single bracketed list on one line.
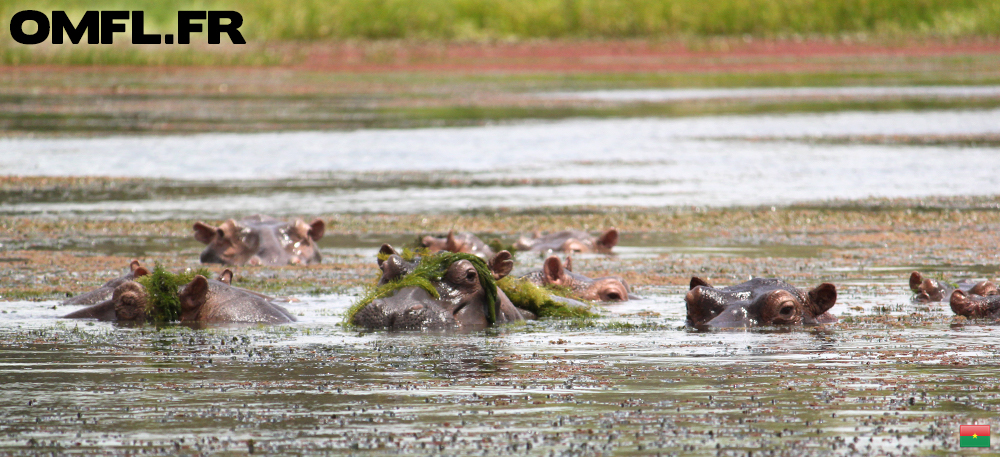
[(974, 436)]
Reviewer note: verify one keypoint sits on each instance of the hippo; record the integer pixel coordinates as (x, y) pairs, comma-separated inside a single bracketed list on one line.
[(260, 240), (463, 242), (569, 241), (759, 301), (104, 292), (973, 305), (202, 300), (553, 272), (465, 286), (931, 290)]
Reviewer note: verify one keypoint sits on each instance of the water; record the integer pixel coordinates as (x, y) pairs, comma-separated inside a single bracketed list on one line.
[(633, 381), (892, 378), (709, 161)]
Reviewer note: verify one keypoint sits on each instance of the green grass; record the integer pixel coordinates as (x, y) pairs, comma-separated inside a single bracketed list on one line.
[(271, 21)]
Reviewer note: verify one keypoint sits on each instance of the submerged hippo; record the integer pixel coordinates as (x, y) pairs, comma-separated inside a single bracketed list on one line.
[(465, 285), (260, 240), (104, 292), (201, 301), (758, 301), (930, 290), (973, 305), (569, 241), (553, 272), (463, 242)]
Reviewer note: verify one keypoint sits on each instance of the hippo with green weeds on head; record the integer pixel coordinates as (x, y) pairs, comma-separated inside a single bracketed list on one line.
[(462, 242), (758, 302), (569, 241), (555, 274), (931, 290), (449, 290), (104, 292), (188, 297), (260, 240)]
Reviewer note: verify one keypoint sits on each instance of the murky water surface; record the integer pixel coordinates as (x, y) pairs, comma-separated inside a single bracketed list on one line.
[(634, 381), (713, 161), (892, 378)]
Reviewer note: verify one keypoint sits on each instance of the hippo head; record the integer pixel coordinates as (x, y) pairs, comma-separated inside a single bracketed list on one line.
[(601, 244), (446, 290), (260, 240), (463, 242), (930, 290), (927, 289), (758, 302), (973, 305), (610, 289)]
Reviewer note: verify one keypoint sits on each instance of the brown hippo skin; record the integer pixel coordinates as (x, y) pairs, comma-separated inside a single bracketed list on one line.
[(569, 241), (931, 290), (260, 240), (553, 272), (758, 301), (202, 301), (463, 242), (973, 305), (104, 292), (461, 306)]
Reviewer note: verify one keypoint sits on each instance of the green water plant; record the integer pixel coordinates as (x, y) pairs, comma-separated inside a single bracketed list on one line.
[(163, 303), (522, 293), (431, 268), (539, 300)]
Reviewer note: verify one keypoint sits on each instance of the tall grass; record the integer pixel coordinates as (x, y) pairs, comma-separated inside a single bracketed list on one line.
[(304, 20)]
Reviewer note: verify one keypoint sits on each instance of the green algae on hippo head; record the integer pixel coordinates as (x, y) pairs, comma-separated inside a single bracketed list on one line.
[(446, 290), (186, 297)]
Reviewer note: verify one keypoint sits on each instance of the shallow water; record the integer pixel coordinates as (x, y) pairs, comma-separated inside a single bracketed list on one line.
[(709, 161), (634, 381)]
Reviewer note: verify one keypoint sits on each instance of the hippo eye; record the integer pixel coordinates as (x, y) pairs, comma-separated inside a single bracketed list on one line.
[(470, 275), (612, 296), (219, 233), (787, 309)]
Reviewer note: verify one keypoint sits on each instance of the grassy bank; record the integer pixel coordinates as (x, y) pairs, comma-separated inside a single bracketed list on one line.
[(271, 21)]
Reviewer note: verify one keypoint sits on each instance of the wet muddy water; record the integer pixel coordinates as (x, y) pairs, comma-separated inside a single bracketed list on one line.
[(710, 161), (893, 377)]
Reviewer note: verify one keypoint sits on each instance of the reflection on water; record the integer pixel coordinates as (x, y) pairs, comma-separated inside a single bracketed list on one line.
[(861, 387), (713, 161)]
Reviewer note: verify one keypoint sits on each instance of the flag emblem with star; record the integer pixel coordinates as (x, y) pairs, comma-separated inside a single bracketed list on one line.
[(974, 436)]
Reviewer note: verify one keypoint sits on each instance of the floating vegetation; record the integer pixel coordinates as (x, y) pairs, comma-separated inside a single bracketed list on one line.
[(163, 302), (431, 268), (544, 301)]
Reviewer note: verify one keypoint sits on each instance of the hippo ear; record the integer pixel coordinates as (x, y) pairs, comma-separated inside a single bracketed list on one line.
[(385, 251), (822, 298), (451, 244), (427, 241), (552, 272), (915, 279), (501, 264), (569, 263), (609, 239), (316, 229), (132, 266), (204, 232), (139, 272), (226, 276), (195, 294), (696, 281)]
